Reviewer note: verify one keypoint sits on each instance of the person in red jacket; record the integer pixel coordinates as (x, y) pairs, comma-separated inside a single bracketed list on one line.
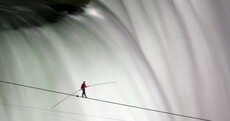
[(83, 86)]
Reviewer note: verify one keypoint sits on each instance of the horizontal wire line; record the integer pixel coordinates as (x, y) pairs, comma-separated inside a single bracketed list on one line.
[(147, 109)]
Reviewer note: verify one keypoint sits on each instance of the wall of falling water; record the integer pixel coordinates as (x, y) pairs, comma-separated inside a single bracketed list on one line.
[(165, 55)]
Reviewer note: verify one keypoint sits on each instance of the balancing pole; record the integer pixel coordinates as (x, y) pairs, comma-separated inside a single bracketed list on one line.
[(80, 90)]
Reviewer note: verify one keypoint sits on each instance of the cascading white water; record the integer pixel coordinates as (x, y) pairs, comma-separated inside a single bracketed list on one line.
[(163, 55)]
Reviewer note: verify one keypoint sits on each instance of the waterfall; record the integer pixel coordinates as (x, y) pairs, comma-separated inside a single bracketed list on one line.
[(163, 55)]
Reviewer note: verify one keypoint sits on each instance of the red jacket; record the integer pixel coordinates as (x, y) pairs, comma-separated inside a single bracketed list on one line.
[(83, 86)]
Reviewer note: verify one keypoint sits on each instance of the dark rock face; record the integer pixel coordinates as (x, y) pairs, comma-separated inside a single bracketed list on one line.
[(15, 14)]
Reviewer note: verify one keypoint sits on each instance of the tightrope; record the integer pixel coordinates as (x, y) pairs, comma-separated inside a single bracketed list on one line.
[(131, 106)]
